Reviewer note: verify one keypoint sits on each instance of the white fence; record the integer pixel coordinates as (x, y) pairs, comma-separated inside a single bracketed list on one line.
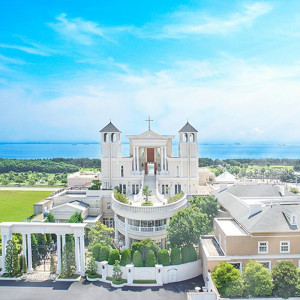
[(159, 273), (1, 262)]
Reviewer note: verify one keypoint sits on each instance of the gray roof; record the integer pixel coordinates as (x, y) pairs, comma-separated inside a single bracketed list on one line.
[(110, 127), (271, 218), (188, 128), (80, 203)]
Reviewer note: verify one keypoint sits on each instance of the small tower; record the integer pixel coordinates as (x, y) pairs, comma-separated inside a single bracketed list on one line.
[(188, 149), (110, 151)]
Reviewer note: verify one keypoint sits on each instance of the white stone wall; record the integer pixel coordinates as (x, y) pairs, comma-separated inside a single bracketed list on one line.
[(170, 274)]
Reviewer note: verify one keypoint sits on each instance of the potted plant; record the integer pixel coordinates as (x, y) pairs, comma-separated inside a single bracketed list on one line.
[(52, 268), (23, 267)]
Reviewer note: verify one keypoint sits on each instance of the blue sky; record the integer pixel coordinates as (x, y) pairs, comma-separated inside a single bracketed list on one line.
[(232, 68)]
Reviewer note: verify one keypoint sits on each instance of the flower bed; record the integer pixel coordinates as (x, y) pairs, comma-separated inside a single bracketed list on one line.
[(150, 281), (6, 276), (72, 278)]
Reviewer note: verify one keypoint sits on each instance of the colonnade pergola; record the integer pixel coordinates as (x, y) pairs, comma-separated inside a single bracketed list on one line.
[(60, 229)]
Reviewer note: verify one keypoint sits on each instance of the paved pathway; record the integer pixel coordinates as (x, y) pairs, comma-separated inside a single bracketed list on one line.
[(93, 290)]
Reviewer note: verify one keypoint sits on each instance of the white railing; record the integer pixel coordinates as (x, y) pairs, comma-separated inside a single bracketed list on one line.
[(148, 229), (120, 223), (168, 209), (140, 194)]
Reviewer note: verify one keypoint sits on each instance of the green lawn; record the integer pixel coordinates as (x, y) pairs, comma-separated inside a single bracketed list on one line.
[(15, 206)]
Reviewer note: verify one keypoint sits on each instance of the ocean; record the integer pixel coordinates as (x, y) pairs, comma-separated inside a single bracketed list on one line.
[(79, 150)]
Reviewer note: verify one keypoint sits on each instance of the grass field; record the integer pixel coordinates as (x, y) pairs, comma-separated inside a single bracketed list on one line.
[(15, 206)]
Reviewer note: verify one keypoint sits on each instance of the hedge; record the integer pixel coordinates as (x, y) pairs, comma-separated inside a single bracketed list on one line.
[(175, 256), (113, 256), (163, 257), (125, 257), (96, 251), (150, 259), (137, 259), (104, 253), (188, 254)]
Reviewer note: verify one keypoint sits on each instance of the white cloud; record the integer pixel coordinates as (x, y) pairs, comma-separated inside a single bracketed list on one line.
[(36, 50), (186, 23)]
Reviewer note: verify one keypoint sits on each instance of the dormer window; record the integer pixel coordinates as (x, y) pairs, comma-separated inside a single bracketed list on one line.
[(291, 218)]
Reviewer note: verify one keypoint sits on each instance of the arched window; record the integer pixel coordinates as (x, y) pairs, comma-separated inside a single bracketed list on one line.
[(192, 137), (105, 137), (122, 171), (186, 138), (113, 137)]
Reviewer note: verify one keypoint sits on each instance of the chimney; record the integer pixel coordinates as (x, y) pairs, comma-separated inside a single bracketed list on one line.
[(293, 219), (280, 189), (254, 209)]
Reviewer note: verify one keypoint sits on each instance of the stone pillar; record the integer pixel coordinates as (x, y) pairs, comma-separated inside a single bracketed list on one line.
[(24, 250), (134, 162), (58, 236), (161, 159), (30, 269), (77, 254), (63, 242), (82, 257), (129, 272), (126, 234), (104, 269), (138, 157), (116, 230), (165, 158), (159, 274), (4, 240)]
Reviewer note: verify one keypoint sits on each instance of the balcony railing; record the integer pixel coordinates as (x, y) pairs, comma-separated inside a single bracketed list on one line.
[(146, 212)]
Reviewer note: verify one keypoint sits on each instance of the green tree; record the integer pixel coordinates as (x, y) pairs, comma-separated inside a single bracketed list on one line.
[(207, 204), (175, 256), (147, 192), (35, 251), (257, 279), (228, 280), (52, 265), (186, 226), (11, 259), (144, 246), (23, 264), (101, 234), (113, 256), (117, 273), (137, 259), (68, 259), (104, 253), (50, 218), (76, 218), (150, 259), (125, 257), (285, 279), (92, 266), (163, 257), (96, 251)]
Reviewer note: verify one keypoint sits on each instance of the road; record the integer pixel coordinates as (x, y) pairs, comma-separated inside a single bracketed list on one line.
[(12, 290)]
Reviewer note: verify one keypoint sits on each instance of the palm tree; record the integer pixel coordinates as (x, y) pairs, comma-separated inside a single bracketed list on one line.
[(147, 192)]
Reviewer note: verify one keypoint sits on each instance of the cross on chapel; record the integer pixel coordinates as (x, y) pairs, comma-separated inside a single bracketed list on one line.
[(149, 120)]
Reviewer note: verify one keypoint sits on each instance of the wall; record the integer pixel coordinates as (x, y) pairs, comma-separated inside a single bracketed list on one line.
[(1, 262), (174, 273)]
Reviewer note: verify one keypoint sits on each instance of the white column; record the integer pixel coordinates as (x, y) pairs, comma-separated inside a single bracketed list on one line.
[(116, 230), (77, 254), (4, 240), (165, 158), (126, 234), (29, 253), (134, 164), (24, 252), (63, 242), (82, 258), (161, 159), (58, 254), (138, 158)]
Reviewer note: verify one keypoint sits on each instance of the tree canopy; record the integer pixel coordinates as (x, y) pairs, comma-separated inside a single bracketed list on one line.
[(101, 234)]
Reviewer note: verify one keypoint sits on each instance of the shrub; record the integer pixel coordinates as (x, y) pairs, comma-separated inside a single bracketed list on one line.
[(104, 253), (144, 246), (113, 256), (228, 280), (163, 257), (150, 259), (92, 266), (176, 197), (120, 197), (23, 265), (96, 251), (285, 279), (257, 279), (175, 256), (52, 265), (125, 257), (188, 253), (137, 259)]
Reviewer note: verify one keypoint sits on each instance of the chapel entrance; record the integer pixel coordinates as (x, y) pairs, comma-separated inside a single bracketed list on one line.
[(150, 155)]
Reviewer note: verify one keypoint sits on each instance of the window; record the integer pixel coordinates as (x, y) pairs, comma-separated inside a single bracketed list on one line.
[(266, 264), (108, 222), (284, 246), (262, 247), (122, 171), (164, 189), (177, 188), (237, 265), (135, 189), (177, 171), (122, 188), (108, 205)]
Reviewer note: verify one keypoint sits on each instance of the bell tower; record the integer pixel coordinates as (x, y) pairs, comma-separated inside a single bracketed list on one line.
[(188, 150), (110, 153)]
